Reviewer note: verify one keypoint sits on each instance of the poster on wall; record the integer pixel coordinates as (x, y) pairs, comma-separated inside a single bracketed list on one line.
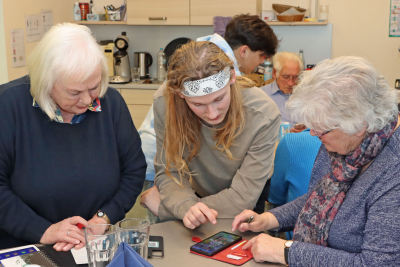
[(33, 27), (47, 20), (394, 25), (17, 48)]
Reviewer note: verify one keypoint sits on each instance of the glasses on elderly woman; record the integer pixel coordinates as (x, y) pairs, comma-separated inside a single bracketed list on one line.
[(319, 135)]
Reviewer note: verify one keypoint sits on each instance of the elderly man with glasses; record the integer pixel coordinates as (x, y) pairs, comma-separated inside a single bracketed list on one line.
[(287, 68)]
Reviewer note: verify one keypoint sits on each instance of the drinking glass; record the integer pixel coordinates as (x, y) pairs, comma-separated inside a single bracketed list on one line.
[(323, 12), (101, 244), (135, 74), (135, 232)]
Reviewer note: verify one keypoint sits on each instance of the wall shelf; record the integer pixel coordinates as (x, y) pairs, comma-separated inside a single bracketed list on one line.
[(296, 23), (102, 22)]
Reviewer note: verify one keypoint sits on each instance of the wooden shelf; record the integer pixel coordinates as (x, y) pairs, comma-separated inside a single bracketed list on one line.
[(102, 22), (296, 23)]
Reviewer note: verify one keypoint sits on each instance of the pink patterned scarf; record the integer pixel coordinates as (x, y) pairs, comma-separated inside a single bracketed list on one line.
[(316, 217)]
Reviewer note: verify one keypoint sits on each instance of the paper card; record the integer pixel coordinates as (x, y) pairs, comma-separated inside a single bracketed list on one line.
[(47, 19), (17, 48), (80, 255), (33, 27)]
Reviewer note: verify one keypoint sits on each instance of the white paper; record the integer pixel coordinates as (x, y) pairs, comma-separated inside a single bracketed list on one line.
[(47, 20), (17, 48), (80, 255), (33, 26), (394, 26)]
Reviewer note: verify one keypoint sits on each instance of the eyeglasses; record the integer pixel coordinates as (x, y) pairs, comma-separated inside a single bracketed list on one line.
[(286, 78), (320, 135)]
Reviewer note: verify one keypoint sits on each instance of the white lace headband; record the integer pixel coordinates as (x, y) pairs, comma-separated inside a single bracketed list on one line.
[(207, 85)]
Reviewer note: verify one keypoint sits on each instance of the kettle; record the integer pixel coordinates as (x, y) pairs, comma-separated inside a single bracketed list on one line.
[(121, 61), (143, 60)]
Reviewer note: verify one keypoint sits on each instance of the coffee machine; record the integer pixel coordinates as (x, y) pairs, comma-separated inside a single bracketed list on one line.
[(143, 60), (122, 66)]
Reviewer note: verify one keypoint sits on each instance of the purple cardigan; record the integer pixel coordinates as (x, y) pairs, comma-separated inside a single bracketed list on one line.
[(366, 229)]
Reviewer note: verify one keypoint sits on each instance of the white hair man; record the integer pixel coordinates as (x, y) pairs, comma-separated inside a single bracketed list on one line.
[(287, 68)]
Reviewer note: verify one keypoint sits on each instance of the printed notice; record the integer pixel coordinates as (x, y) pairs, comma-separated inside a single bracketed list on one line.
[(33, 27), (17, 48), (47, 20), (394, 25)]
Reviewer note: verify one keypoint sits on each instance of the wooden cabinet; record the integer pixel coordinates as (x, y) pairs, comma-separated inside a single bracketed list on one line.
[(139, 102), (202, 12), (158, 12)]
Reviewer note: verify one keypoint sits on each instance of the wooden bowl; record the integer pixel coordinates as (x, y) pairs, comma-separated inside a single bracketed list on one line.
[(291, 18)]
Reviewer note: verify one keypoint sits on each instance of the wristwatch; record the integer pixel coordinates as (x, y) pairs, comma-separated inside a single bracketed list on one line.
[(287, 247), (101, 214)]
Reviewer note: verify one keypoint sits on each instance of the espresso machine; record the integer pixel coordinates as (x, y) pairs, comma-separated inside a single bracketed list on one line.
[(143, 60), (122, 66)]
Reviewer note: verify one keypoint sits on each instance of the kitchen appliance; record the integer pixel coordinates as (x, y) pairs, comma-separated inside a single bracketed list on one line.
[(122, 66), (108, 50), (143, 61)]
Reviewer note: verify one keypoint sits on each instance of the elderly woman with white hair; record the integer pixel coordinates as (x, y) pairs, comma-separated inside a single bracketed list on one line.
[(350, 214), (69, 152)]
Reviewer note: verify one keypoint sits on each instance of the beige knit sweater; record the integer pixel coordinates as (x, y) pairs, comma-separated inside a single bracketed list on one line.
[(228, 186)]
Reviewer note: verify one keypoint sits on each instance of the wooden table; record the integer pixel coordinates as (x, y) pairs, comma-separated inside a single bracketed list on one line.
[(178, 239)]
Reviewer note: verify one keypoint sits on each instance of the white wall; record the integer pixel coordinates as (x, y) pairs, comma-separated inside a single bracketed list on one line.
[(3, 61), (360, 28)]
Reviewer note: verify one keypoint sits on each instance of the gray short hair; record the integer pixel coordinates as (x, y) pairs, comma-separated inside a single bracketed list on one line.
[(67, 52), (280, 58), (345, 93)]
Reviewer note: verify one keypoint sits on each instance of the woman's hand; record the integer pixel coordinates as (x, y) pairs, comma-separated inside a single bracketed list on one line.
[(65, 234), (267, 248), (151, 200), (199, 214), (260, 222)]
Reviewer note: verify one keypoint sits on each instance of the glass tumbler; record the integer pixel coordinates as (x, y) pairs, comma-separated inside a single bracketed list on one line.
[(136, 74), (135, 232), (101, 244), (323, 12)]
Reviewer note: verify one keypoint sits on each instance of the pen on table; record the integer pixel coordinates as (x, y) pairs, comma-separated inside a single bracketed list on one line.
[(238, 244)]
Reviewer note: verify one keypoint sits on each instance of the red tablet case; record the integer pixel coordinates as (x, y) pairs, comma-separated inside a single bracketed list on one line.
[(222, 256)]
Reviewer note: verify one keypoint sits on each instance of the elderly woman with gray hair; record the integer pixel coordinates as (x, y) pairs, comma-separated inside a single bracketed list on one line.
[(350, 215), (69, 152)]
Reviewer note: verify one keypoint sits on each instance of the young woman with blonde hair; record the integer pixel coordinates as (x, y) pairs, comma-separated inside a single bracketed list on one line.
[(215, 139)]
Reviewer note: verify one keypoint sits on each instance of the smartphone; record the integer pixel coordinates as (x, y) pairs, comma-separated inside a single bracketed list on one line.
[(216, 243)]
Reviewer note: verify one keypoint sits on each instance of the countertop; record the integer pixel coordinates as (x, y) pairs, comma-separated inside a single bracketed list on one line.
[(136, 85)]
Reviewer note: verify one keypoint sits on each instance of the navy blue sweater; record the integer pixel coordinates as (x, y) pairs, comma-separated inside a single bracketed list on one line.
[(50, 171), (366, 229)]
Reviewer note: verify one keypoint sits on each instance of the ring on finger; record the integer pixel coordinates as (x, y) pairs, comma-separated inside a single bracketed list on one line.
[(68, 232)]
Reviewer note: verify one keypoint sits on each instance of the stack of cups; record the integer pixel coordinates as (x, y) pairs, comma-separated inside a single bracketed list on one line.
[(102, 240)]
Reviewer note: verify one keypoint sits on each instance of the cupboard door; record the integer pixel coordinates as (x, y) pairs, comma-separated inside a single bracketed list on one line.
[(158, 12), (138, 96), (138, 113), (202, 12)]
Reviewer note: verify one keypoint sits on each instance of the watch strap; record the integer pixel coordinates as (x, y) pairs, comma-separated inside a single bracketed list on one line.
[(287, 255)]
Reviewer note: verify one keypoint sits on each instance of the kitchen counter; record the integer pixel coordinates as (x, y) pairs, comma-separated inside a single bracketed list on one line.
[(135, 85)]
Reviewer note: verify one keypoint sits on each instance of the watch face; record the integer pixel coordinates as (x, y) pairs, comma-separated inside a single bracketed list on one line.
[(288, 243), (100, 214)]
